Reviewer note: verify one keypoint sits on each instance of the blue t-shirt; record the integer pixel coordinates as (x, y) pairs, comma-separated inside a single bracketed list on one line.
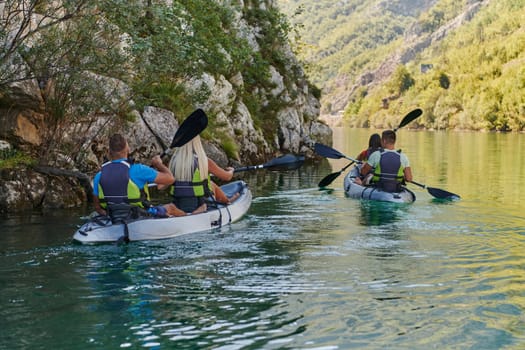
[(140, 174)]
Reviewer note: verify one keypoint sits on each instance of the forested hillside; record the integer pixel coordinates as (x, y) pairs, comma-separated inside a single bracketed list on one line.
[(461, 61)]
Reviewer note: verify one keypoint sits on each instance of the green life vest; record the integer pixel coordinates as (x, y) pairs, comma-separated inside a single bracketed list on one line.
[(115, 186), (194, 188), (389, 173)]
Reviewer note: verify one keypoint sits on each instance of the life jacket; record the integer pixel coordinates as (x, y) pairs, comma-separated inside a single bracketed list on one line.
[(389, 174), (189, 195), (116, 187)]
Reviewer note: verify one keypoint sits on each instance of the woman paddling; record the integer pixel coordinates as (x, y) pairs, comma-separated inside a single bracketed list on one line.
[(191, 168), (374, 144)]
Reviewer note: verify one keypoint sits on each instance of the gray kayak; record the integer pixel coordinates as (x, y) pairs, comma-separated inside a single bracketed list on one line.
[(100, 229), (354, 190)]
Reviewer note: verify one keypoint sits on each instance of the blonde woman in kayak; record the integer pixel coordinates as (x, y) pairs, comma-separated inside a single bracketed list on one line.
[(192, 168)]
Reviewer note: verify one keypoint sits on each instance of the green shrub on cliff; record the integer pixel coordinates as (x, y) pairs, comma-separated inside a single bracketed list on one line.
[(100, 58), (11, 158)]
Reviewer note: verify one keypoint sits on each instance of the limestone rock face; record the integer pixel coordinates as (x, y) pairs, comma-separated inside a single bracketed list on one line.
[(162, 124), (250, 140), (22, 127), (249, 122), (28, 190)]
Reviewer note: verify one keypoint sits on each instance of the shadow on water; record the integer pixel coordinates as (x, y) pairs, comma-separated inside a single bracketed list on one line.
[(384, 236), (376, 213)]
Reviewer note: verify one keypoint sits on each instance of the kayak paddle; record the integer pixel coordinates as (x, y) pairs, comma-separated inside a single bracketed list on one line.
[(328, 179), (438, 193), (409, 118), (284, 162), (192, 126), (331, 153)]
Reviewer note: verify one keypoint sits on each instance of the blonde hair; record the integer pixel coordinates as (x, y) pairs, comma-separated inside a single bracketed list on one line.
[(182, 161)]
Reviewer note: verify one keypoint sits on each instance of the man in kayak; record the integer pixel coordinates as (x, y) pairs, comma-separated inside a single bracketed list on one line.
[(121, 185), (389, 168)]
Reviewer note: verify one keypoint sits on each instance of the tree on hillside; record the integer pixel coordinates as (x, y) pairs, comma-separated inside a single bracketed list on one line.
[(400, 81)]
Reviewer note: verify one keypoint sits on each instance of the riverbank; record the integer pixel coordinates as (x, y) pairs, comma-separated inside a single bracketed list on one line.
[(332, 120)]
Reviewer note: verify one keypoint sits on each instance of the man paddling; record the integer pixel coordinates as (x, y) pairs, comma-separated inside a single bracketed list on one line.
[(389, 168), (121, 185)]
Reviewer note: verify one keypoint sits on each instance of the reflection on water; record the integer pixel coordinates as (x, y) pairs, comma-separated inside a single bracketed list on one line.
[(375, 213), (481, 167), (305, 269)]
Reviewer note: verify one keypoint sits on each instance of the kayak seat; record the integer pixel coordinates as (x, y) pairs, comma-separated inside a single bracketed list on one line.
[(121, 213)]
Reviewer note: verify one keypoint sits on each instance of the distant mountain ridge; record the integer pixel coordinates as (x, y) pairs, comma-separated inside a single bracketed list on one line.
[(338, 34), (377, 59), (415, 41)]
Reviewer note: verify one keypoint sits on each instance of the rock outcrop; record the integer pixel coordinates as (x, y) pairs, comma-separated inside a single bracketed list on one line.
[(150, 130)]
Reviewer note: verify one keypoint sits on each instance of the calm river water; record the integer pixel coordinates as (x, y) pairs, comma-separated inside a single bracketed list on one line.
[(305, 269)]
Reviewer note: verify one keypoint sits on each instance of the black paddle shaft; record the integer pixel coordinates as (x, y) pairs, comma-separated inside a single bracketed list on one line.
[(285, 162), (328, 179)]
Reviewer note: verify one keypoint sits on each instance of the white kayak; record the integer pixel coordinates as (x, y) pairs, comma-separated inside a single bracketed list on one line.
[(100, 229), (354, 190)]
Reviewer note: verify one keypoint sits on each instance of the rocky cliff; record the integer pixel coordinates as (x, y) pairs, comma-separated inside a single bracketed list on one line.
[(67, 151)]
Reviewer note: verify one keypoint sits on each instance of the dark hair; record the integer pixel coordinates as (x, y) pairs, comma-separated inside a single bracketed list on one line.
[(117, 143), (389, 136), (374, 141)]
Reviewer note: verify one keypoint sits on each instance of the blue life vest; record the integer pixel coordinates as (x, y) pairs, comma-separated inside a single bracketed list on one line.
[(116, 187), (389, 174)]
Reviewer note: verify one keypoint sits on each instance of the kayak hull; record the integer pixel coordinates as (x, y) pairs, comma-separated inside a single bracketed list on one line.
[(102, 230), (354, 190)]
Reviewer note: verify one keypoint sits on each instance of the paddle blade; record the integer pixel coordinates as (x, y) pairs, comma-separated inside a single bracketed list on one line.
[(328, 179), (285, 162), (192, 126), (327, 152), (410, 117), (442, 194), (438, 193)]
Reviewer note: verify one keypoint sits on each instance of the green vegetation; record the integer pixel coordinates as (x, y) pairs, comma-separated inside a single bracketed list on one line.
[(230, 148), (475, 79), (100, 58), (338, 38), (11, 158)]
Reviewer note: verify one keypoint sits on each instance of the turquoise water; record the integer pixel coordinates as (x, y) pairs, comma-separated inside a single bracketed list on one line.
[(305, 269)]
